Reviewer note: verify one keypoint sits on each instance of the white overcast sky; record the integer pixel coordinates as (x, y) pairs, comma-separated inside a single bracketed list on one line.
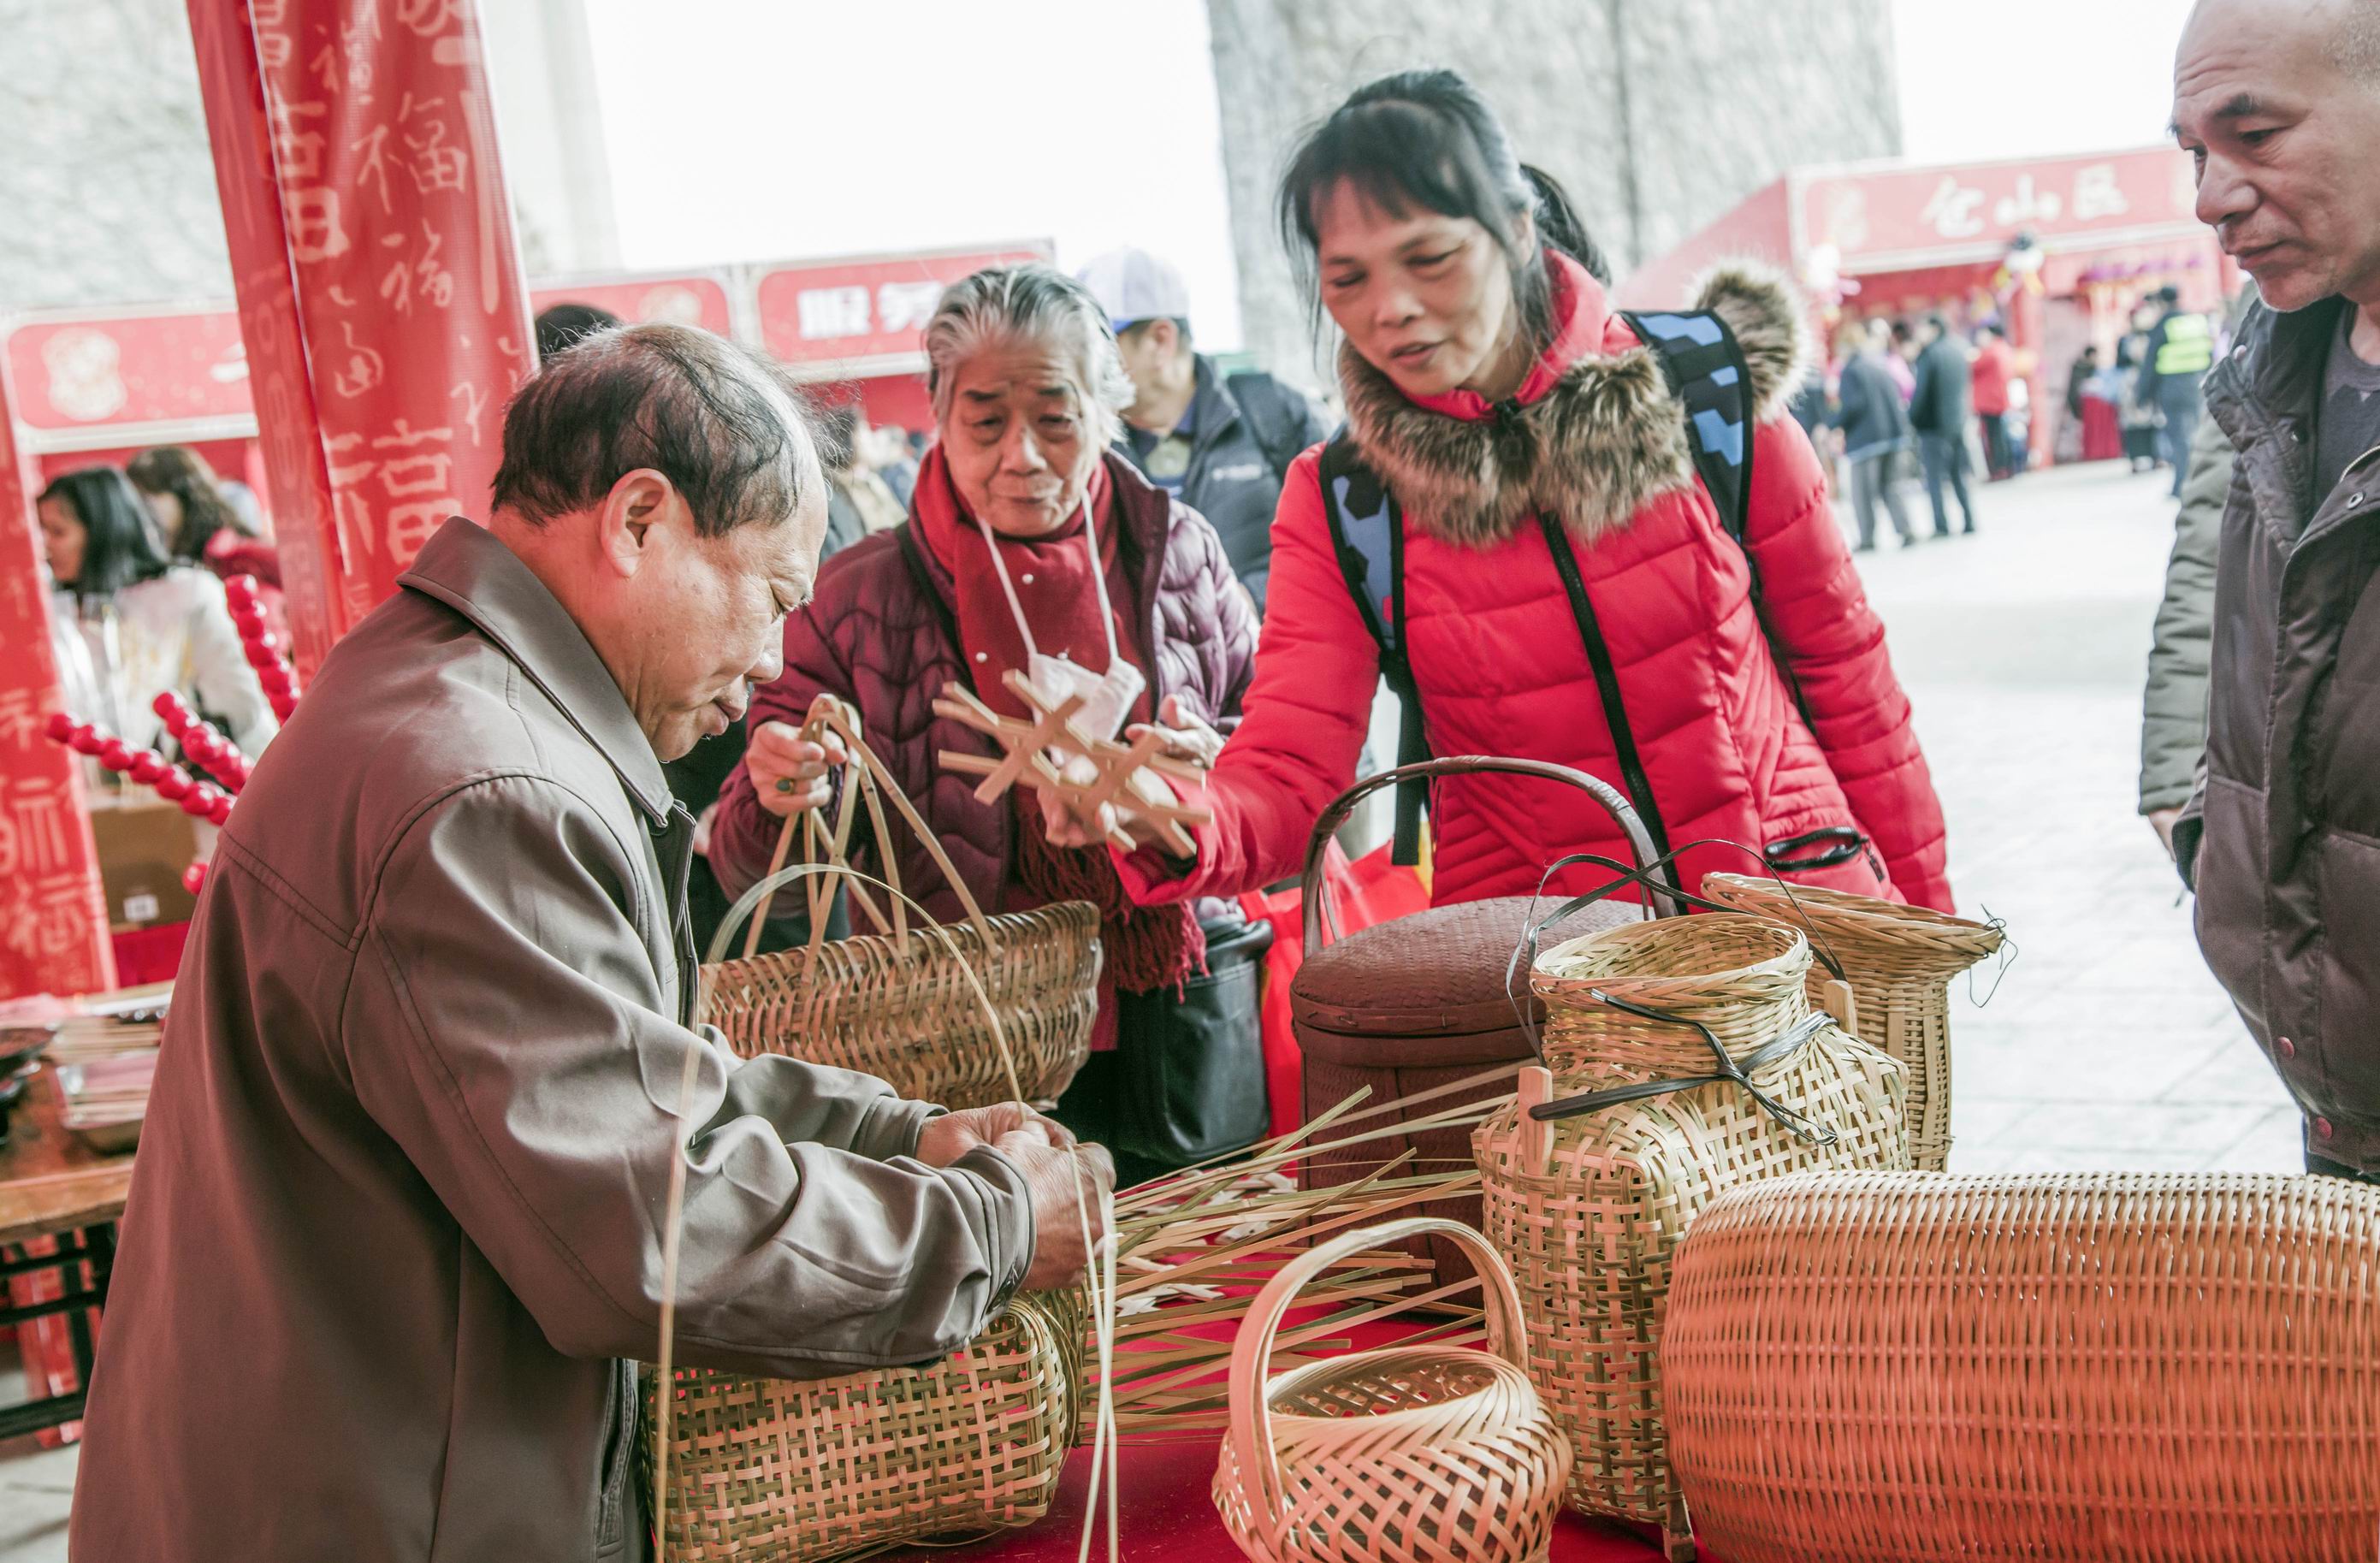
[(752, 129)]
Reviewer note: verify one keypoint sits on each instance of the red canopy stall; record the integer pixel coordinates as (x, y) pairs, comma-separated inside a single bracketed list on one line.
[(2059, 249)]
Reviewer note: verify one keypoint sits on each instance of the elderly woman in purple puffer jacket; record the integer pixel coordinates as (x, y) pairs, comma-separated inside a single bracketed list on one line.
[(1030, 546)]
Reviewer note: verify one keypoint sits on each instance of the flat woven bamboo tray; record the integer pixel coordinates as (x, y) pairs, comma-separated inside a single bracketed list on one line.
[(1899, 961), (2168, 1368), (1590, 1210)]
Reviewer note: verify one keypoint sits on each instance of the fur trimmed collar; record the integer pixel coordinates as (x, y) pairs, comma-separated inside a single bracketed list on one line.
[(1592, 449)]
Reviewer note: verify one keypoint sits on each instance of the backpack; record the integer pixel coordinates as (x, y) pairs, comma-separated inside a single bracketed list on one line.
[(1704, 368)]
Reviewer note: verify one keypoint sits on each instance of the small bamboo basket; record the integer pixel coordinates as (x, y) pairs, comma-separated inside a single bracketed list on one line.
[(1590, 1209), (1899, 961), (2163, 1368), (801, 1470), (1414, 1454), (894, 1003)]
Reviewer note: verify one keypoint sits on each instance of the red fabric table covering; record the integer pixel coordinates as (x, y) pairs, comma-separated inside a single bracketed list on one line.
[(1168, 1513)]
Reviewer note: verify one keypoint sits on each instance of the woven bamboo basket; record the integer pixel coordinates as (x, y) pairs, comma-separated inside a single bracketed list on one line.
[(2172, 1368), (798, 1470), (1590, 1209), (1899, 961), (1414, 1454), (895, 1003)]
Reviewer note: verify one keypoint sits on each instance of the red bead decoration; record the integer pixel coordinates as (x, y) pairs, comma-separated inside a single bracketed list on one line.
[(193, 876), (221, 811), (60, 728), (174, 785), (85, 739), (199, 801), (115, 756), (147, 766), (169, 707)]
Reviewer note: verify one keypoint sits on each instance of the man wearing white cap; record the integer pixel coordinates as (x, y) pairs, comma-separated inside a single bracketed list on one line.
[(1224, 444)]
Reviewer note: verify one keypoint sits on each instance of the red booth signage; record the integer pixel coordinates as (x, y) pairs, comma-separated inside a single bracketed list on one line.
[(847, 312)]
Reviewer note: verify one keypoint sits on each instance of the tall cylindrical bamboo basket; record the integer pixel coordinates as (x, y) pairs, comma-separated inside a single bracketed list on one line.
[(1590, 1210), (798, 1470), (1899, 961), (1897, 1367)]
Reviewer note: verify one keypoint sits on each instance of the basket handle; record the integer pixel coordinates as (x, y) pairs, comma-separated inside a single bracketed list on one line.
[(1250, 1428), (829, 714), (1313, 894)]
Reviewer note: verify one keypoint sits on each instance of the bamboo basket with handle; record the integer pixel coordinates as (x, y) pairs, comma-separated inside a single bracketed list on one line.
[(1413, 1454), (1899, 961), (2159, 1367), (892, 1003), (1590, 1207)]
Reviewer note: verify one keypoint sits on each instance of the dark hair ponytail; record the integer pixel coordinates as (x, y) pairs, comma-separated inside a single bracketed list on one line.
[(1427, 138)]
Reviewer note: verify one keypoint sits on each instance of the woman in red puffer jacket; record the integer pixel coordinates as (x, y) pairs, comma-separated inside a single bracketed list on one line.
[(1489, 384)]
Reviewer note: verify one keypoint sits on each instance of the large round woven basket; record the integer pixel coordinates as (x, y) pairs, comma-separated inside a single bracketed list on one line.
[(1590, 1210), (2172, 1368), (1414, 1454), (898, 1007), (1899, 961), (800, 1469)]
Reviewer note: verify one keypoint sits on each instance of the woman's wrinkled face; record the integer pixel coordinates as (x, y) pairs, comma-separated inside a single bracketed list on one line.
[(1425, 298), (63, 536), (1020, 438)]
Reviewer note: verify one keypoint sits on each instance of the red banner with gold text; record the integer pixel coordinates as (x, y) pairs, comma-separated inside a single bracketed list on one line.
[(380, 285)]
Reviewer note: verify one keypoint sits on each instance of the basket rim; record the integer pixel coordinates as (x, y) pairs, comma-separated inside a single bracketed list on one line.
[(1281, 1384), (1854, 912), (1786, 962)]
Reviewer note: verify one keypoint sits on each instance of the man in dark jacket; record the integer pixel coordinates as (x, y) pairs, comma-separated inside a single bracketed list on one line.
[(1874, 430), (1938, 411), (2278, 104), (2181, 350), (394, 1244), (1221, 444)]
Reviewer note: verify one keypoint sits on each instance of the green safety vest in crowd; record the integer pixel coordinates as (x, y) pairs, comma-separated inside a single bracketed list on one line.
[(2189, 348)]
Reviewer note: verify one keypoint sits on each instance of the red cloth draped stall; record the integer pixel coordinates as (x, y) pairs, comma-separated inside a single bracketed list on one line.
[(380, 284)]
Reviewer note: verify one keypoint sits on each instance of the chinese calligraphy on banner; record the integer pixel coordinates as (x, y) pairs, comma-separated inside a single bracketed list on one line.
[(53, 915), (380, 289), (1871, 218), (845, 312)]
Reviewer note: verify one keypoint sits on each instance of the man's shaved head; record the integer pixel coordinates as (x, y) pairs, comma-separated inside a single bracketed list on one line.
[(2278, 102)]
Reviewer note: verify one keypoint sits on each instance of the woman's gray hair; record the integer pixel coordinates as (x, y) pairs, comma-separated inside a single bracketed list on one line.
[(1029, 303)]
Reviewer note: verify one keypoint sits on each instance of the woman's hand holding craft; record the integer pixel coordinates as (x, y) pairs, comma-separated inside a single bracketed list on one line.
[(790, 773), (1188, 736)]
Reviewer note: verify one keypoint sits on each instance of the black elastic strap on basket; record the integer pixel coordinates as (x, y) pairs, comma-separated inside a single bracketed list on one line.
[(1730, 1071)]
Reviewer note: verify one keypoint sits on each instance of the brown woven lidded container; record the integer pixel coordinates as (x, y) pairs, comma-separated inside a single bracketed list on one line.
[(1591, 1209), (1899, 961), (2160, 1367), (1407, 1007)]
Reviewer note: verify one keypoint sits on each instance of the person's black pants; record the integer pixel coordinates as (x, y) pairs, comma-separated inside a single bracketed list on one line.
[(1944, 459), (2181, 427), (1996, 455)]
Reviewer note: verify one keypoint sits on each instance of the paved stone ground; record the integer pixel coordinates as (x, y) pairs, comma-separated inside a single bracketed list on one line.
[(2104, 1043)]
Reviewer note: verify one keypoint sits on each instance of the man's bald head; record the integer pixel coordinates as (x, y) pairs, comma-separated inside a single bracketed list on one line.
[(2279, 103)]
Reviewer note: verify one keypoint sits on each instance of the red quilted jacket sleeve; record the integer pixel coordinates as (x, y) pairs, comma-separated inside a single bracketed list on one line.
[(1820, 614), (1302, 724)]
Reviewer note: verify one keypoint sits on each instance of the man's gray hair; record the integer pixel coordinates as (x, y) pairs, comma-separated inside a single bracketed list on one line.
[(1031, 303), (728, 427), (2356, 43)]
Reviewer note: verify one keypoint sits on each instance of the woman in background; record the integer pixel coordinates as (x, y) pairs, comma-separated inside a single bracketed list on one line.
[(150, 625)]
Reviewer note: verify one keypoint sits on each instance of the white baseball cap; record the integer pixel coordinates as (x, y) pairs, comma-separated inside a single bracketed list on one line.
[(1133, 285)]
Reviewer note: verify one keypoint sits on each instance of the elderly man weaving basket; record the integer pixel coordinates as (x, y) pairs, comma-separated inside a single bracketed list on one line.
[(396, 1235)]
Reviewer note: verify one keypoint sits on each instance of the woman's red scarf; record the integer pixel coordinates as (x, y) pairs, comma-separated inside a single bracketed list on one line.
[(1147, 947)]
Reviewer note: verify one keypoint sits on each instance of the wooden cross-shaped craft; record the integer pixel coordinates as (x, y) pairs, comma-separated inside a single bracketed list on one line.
[(1027, 760)]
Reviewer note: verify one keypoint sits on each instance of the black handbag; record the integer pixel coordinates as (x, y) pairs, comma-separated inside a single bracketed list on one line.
[(1188, 1075)]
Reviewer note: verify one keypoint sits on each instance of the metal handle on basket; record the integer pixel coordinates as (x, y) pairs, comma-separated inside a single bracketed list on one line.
[(1313, 894), (1250, 1428)]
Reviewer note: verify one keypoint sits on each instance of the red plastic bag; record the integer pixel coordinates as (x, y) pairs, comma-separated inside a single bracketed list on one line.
[(1363, 893)]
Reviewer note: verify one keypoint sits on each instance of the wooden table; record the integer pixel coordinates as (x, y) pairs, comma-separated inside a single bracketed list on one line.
[(59, 1200)]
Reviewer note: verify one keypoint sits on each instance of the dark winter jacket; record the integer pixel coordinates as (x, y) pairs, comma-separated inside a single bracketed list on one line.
[(1246, 429), (2173, 710), (2283, 839), (1594, 438), (1868, 408), (1940, 405), (881, 634)]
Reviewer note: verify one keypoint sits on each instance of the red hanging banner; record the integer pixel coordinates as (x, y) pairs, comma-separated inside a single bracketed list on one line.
[(53, 915), (380, 284)]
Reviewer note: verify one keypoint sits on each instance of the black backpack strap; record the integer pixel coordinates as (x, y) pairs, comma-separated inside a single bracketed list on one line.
[(1276, 417), (1367, 533), (1705, 367)]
